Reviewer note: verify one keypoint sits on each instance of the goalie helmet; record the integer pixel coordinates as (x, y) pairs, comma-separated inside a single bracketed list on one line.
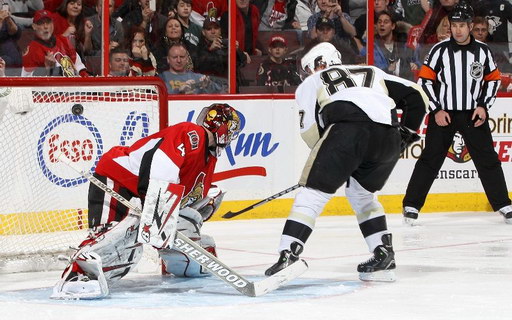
[(223, 121), (461, 12), (321, 56)]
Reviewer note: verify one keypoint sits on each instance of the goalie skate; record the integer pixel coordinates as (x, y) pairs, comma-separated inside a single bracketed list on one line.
[(79, 281), (379, 267)]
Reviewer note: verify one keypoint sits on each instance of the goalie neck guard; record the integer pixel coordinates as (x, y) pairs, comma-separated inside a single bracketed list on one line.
[(223, 121)]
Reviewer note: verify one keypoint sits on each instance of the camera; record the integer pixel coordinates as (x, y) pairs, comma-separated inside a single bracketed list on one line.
[(224, 42)]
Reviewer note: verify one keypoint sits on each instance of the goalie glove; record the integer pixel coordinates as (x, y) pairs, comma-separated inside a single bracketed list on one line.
[(408, 137)]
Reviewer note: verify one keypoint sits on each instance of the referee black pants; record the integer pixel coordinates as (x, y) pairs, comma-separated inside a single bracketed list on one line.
[(480, 146)]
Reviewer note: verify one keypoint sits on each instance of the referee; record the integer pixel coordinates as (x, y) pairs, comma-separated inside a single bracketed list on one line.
[(461, 79)]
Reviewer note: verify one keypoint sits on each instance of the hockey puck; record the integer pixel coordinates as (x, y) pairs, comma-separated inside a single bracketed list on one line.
[(77, 109)]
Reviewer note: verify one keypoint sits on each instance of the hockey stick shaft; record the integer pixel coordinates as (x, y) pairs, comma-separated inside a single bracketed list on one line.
[(231, 214), (195, 252)]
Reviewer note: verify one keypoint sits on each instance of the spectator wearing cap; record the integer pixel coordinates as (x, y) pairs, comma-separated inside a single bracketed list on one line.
[(212, 51), (277, 70), (332, 10), (10, 33), (326, 33), (49, 54)]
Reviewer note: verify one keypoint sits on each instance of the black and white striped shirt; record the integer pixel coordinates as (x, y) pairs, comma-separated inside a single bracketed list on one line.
[(460, 77)]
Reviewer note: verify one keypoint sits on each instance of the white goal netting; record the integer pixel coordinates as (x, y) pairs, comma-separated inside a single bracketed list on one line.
[(43, 204)]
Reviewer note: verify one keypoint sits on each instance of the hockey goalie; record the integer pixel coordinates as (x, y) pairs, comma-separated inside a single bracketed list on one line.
[(171, 173)]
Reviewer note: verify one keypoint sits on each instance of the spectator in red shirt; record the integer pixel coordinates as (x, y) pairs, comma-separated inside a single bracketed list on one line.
[(49, 54)]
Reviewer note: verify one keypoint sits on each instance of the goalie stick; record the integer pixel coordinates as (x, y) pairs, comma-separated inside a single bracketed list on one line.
[(195, 252), (231, 214)]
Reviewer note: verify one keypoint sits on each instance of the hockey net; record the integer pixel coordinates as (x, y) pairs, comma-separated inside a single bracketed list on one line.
[(43, 204)]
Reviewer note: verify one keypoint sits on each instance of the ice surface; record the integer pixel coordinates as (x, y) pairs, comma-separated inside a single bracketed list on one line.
[(451, 266)]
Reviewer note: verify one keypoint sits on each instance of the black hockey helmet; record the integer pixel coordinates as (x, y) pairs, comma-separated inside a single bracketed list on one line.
[(461, 12), (223, 121)]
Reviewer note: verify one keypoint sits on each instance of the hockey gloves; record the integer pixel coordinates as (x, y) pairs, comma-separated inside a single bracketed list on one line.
[(408, 138)]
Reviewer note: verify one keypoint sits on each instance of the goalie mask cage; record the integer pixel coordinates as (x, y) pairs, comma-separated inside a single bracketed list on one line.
[(43, 204)]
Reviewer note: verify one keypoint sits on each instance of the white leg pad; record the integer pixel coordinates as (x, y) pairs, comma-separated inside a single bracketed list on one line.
[(180, 265)]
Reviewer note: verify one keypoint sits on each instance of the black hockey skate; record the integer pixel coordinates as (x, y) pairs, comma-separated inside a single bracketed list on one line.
[(410, 215), (379, 267), (286, 258)]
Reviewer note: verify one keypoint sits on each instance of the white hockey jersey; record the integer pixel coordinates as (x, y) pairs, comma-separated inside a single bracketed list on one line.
[(367, 87)]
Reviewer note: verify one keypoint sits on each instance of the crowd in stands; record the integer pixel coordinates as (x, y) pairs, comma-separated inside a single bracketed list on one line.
[(185, 42)]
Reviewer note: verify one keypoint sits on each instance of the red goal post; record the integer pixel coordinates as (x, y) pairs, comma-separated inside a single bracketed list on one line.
[(43, 204)]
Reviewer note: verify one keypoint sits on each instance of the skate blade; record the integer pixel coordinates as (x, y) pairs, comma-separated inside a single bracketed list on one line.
[(508, 221), (410, 222), (381, 276)]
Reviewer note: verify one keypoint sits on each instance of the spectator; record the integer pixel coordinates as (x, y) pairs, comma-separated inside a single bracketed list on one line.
[(391, 56), (442, 32), (212, 52), (49, 54), (173, 34), (142, 61), (69, 21), (480, 29), (273, 14), (342, 22), (180, 81), (142, 16), (9, 35), (440, 9), (360, 23), (326, 33), (357, 8), (22, 11), (411, 12), (202, 9), (92, 44), (191, 31), (498, 14), (276, 70), (304, 10), (119, 63), (247, 22)]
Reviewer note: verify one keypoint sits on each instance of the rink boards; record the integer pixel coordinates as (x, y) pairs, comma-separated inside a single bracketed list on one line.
[(268, 158)]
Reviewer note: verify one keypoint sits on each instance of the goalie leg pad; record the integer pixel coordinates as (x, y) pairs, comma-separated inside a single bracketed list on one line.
[(180, 265), (158, 219), (107, 255)]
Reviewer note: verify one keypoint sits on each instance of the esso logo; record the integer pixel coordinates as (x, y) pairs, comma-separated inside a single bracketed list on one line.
[(78, 139)]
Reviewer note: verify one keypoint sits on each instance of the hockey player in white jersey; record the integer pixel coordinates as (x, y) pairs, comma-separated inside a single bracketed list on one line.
[(350, 122)]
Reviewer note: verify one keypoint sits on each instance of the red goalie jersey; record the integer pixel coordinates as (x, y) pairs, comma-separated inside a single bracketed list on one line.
[(178, 154)]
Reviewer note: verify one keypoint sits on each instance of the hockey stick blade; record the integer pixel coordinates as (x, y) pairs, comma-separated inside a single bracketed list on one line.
[(280, 278), (195, 252), (231, 214)]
